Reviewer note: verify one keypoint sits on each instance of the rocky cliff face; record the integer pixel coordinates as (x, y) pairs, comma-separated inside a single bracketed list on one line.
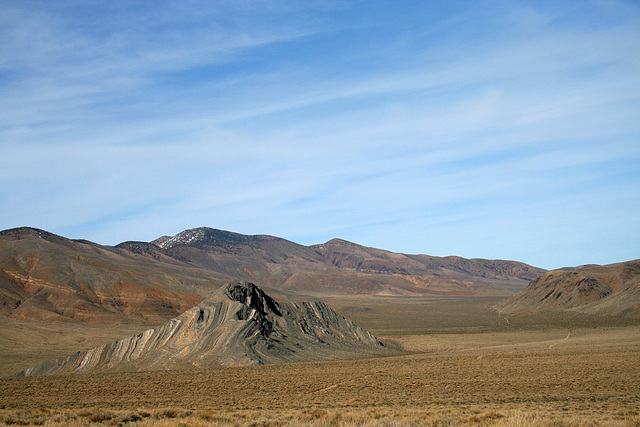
[(240, 325)]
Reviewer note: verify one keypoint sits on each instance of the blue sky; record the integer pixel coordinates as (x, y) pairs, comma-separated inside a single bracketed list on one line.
[(497, 129)]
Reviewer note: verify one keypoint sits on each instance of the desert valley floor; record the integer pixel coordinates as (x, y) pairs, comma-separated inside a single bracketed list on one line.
[(457, 361)]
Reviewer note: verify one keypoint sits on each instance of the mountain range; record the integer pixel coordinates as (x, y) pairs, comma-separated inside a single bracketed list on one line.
[(193, 296), (44, 276)]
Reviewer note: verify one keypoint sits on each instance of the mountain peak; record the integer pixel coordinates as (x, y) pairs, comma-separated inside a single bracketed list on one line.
[(183, 238), (25, 232), (338, 241), (22, 233), (202, 236), (250, 295)]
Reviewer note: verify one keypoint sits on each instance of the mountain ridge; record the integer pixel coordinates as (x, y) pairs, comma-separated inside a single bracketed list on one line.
[(193, 245), (44, 276)]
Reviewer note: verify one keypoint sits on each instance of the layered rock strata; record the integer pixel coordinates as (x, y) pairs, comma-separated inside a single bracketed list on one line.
[(240, 325)]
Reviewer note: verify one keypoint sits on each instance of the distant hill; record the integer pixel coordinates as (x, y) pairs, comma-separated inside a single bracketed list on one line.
[(342, 267), (240, 325), (603, 290), (48, 277)]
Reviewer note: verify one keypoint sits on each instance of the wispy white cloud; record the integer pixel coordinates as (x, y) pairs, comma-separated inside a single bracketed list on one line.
[(484, 130)]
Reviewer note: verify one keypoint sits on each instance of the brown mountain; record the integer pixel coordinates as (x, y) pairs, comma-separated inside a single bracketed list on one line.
[(604, 290), (240, 325), (47, 277), (341, 266)]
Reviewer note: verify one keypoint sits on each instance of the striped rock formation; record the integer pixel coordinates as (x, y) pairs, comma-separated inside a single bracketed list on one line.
[(240, 325)]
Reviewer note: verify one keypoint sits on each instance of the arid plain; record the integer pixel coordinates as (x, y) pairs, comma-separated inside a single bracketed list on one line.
[(457, 361)]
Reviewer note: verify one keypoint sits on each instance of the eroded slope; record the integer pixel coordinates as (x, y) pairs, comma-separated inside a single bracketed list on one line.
[(605, 290)]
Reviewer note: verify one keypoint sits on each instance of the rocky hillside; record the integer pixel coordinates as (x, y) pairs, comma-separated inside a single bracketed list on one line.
[(605, 290), (240, 325)]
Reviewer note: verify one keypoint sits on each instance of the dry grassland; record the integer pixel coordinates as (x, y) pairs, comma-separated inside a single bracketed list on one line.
[(24, 344), (503, 376)]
